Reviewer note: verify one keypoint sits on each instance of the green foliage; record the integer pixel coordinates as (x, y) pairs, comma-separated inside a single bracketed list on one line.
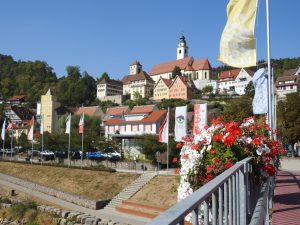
[(33, 79), (172, 103), (207, 89), (23, 141), (288, 112), (237, 109), (104, 75), (176, 71), (249, 90)]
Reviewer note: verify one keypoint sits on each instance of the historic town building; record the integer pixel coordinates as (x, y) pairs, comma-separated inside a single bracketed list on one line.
[(161, 89), (234, 81), (110, 89), (138, 82), (288, 83), (194, 69)]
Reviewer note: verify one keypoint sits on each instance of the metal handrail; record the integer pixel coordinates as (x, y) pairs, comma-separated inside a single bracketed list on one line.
[(178, 212)]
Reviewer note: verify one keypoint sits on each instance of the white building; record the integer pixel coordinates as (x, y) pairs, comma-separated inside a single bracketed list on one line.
[(139, 121), (138, 81), (288, 83), (234, 81), (194, 69), (109, 89)]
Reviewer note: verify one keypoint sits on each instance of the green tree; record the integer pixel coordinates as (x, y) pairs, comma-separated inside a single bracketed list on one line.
[(73, 72), (103, 75), (288, 112), (207, 89), (176, 71), (249, 90), (23, 141), (237, 109)]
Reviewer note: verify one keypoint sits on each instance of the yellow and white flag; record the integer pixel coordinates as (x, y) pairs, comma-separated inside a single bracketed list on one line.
[(237, 45)]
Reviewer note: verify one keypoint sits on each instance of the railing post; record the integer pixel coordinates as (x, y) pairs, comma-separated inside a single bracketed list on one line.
[(195, 216), (242, 195)]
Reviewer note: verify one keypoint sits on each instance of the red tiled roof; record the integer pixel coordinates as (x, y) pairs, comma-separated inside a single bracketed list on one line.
[(168, 82), (17, 98), (117, 110), (135, 63), (201, 64), (106, 80), (90, 111), (142, 109), (290, 72), (168, 67), (184, 80), (140, 76), (229, 74), (155, 116)]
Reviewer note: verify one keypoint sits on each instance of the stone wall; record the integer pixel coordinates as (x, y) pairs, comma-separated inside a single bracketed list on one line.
[(92, 204), (64, 217)]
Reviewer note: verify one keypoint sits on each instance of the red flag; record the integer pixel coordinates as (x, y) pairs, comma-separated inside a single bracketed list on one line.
[(163, 133), (81, 124), (10, 126)]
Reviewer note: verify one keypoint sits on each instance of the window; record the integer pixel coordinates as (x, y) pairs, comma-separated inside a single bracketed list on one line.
[(179, 51)]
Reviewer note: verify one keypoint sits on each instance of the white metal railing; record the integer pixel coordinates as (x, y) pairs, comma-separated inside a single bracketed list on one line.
[(227, 199)]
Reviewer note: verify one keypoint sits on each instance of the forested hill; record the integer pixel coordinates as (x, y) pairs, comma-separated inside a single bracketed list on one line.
[(280, 65), (34, 79), (74, 88)]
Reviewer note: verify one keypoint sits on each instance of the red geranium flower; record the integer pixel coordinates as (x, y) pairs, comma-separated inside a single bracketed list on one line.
[(218, 137), (209, 168), (228, 165), (256, 141), (179, 145), (269, 168), (229, 140), (175, 160), (209, 177), (216, 160), (212, 151)]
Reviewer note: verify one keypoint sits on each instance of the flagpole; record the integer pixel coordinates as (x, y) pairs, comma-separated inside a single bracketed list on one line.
[(11, 143), (32, 141), (69, 162), (3, 137), (270, 114), (168, 140), (81, 149)]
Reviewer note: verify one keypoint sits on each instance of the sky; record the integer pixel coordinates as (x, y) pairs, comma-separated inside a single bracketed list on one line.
[(107, 36)]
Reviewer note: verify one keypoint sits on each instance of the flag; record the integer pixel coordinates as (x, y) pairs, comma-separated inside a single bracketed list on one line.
[(260, 83), (200, 117), (163, 133), (180, 122), (10, 126), (68, 124), (42, 125), (30, 133), (81, 124), (237, 45), (3, 130)]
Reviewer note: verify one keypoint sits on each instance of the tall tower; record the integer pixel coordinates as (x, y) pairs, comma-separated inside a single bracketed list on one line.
[(135, 68), (48, 105), (182, 48)]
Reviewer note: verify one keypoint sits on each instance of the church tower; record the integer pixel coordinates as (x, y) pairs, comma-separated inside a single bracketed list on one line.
[(48, 105), (135, 68), (182, 48)]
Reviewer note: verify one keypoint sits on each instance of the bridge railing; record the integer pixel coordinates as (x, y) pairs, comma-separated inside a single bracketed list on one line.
[(227, 199)]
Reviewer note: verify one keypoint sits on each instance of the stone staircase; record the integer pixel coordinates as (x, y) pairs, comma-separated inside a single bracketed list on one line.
[(130, 190)]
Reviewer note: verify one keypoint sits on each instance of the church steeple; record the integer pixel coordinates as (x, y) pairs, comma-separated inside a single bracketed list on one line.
[(182, 48)]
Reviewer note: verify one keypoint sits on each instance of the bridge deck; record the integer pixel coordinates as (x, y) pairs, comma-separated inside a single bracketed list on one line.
[(286, 208)]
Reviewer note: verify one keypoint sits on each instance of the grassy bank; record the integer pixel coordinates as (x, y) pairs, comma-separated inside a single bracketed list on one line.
[(89, 184)]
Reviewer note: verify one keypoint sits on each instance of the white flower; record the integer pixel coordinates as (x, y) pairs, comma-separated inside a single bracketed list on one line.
[(259, 151)]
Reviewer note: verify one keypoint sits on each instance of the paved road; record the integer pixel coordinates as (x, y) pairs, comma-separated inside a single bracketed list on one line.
[(113, 215), (286, 208)]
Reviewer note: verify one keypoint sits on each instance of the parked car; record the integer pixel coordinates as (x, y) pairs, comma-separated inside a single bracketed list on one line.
[(114, 154), (75, 155), (96, 155), (10, 151), (34, 153), (47, 155), (61, 154)]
